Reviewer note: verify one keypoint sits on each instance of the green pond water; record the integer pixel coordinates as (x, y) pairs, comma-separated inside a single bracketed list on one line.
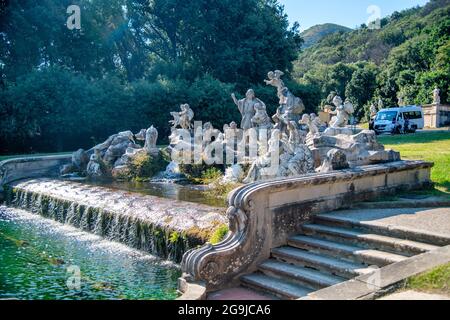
[(40, 259)]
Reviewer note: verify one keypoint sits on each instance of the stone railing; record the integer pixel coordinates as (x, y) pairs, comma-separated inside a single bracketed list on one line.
[(264, 215), (32, 167)]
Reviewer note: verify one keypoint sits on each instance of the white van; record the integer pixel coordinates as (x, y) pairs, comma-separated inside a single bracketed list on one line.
[(393, 120)]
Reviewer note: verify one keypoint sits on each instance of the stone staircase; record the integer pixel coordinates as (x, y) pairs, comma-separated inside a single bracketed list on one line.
[(331, 250)]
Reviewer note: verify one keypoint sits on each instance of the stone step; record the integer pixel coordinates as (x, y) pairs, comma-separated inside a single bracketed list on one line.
[(368, 240), (305, 277), (279, 288), (387, 230), (321, 262), (351, 252)]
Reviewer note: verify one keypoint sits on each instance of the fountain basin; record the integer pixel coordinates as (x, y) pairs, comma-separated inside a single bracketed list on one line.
[(164, 227), (40, 259)]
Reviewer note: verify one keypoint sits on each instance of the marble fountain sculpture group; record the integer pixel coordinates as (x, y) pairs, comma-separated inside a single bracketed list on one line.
[(287, 144)]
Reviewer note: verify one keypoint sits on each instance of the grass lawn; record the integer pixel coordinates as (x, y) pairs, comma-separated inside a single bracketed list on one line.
[(428, 146), (31, 155), (434, 281)]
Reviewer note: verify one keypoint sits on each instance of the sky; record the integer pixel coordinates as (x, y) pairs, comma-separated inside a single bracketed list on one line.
[(349, 13)]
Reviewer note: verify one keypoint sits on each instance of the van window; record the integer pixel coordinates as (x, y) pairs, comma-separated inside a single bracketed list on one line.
[(386, 115), (411, 115)]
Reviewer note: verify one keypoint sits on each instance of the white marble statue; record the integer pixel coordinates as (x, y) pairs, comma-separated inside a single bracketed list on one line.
[(94, 167), (151, 138), (246, 107), (380, 104), (342, 112), (183, 118), (373, 111), (261, 120), (436, 96), (275, 81), (400, 101)]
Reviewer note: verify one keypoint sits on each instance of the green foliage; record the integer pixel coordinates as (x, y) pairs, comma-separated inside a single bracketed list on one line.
[(219, 234), (410, 55), (211, 175)]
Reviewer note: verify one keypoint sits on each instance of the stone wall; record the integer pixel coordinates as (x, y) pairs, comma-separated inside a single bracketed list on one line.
[(32, 167), (263, 215), (436, 116)]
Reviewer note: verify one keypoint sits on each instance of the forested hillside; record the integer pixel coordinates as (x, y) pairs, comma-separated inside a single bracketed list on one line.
[(409, 55)]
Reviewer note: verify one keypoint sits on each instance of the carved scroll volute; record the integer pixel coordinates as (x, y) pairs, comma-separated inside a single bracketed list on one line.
[(215, 265)]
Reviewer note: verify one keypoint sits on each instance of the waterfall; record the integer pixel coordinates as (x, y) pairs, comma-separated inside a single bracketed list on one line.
[(132, 231)]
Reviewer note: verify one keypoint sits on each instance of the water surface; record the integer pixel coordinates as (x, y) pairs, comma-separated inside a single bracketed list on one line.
[(175, 191), (40, 257)]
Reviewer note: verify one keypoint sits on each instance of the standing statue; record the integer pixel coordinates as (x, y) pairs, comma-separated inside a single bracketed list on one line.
[(380, 104), (151, 138), (291, 107), (373, 111), (247, 108), (400, 102), (342, 112), (436, 96), (183, 118)]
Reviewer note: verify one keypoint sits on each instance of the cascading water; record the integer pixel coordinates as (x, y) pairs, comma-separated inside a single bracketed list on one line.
[(162, 227)]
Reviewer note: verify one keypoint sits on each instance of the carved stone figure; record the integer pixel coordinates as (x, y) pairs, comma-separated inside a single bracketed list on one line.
[(380, 104), (373, 111), (94, 167), (256, 171), (151, 138), (313, 129), (342, 112), (290, 109), (335, 160), (246, 107), (183, 118), (400, 101), (261, 120), (275, 81), (436, 96), (316, 120)]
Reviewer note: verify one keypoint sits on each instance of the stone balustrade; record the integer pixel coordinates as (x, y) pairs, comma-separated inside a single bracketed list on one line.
[(264, 214), (31, 167)]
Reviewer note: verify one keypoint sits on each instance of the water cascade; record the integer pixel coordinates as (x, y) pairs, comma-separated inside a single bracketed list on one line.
[(162, 227)]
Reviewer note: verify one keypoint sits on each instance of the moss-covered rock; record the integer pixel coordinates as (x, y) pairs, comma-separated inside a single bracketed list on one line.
[(141, 167)]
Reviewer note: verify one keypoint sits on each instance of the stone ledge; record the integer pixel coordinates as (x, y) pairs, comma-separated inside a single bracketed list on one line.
[(384, 280), (435, 203), (191, 291)]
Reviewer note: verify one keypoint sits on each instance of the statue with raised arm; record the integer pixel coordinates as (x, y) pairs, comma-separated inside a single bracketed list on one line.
[(436, 96), (246, 107), (275, 81), (291, 107)]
